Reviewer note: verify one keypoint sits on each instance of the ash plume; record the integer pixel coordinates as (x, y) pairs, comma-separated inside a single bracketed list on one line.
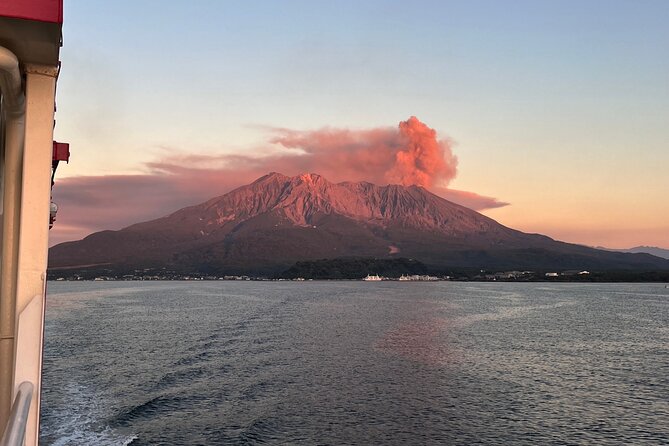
[(407, 154)]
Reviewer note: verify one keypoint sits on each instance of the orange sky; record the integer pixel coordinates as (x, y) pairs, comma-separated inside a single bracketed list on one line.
[(557, 109), (599, 212)]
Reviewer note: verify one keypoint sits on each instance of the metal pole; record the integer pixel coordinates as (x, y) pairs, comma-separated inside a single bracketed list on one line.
[(13, 105), (18, 418)]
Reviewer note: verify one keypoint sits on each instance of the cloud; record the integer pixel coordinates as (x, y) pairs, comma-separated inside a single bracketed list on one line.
[(407, 154), (469, 199)]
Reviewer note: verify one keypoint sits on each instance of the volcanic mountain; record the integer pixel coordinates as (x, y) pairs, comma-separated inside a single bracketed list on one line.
[(270, 224)]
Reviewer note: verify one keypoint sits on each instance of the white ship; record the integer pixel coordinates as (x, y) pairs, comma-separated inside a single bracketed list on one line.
[(373, 278), (418, 278)]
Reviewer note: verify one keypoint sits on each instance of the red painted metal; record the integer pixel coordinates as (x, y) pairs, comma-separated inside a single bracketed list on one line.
[(40, 10), (61, 151)]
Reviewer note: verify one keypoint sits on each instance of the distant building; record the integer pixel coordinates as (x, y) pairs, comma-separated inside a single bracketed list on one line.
[(571, 272)]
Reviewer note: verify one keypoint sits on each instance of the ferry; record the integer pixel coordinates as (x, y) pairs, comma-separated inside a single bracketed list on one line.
[(418, 278), (30, 41)]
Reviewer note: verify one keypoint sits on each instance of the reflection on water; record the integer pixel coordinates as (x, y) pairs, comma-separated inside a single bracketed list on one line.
[(355, 363), (417, 340)]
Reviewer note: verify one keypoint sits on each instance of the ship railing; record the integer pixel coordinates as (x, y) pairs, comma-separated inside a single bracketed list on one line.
[(18, 418)]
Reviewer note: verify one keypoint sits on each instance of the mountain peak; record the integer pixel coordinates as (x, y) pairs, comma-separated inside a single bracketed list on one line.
[(277, 220), (310, 178), (304, 198), (271, 176)]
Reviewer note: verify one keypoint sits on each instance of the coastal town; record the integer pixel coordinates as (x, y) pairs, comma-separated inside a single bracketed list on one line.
[(149, 274)]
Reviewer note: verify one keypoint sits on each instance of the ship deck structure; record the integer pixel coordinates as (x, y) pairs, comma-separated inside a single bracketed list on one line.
[(30, 41)]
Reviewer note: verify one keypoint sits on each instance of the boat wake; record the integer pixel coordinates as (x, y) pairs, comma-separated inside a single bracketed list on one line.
[(82, 424)]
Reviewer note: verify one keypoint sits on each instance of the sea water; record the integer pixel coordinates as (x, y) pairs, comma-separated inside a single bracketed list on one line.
[(333, 363)]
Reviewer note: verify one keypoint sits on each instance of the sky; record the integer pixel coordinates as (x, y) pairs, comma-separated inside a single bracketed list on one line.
[(551, 116)]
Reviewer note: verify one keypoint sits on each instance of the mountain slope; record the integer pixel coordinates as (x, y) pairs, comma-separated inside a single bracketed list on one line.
[(652, 250), (277, 220)]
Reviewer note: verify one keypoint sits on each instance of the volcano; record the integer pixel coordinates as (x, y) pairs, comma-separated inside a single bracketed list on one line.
[(268, 225)]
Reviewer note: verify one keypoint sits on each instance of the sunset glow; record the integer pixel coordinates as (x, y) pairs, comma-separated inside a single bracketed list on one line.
[(408, 154), (547, 120)]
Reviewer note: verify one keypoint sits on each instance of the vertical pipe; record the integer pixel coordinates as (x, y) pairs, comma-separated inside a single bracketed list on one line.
[(13, 105), (10, 254)]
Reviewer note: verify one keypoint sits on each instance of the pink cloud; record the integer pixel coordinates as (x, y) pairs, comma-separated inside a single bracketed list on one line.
[(471, 200), (407, 154)]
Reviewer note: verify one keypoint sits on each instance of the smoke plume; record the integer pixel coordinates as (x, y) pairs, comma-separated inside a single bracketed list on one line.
[(409, 154)]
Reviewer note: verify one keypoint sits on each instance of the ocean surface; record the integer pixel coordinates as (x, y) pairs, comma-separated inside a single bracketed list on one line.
[(355, 363)]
